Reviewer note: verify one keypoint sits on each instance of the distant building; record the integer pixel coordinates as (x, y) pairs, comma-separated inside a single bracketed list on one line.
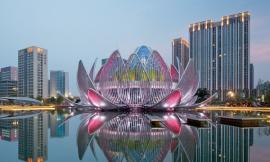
[(49, 86), (8, 88), (33, 72), (9, 73), (8, 81), (180, 50), (262, 89), (103, 61), (221, 52), (252, 89), (251, 76), (33, 138), (59, 82)]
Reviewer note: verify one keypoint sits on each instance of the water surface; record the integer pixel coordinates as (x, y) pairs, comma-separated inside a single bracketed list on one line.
[(115, 136)]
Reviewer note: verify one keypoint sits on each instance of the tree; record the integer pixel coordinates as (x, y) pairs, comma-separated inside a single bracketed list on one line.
[(267, 97), (59, 99), (202, 94), (52, 100), (39, 98)]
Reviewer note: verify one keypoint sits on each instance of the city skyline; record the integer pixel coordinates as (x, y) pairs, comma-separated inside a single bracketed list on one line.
[(76, 35)]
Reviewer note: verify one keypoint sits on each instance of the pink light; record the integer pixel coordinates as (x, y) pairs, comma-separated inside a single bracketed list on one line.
[(172, 100), (95, 123), (95, 98), (172, 123), (174, 144)]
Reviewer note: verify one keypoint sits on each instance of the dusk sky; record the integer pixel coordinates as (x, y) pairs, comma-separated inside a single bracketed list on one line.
[(85, 29)]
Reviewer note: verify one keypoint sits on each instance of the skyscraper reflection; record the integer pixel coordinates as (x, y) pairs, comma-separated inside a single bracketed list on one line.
[(224, 143), (232, 143), (132, 136), (58, 127), (33, 138), (9, 130)]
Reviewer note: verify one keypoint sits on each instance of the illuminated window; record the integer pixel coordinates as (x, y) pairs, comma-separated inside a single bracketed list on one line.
[(39, 50), (29, 50)]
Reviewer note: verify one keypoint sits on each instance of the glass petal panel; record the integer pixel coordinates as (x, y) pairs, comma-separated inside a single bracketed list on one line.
[(134, 89), (92, 70), (99, 101), (84, 83), (110, 77), (189, 82), (174, 74), (159, 76), (169, 102)]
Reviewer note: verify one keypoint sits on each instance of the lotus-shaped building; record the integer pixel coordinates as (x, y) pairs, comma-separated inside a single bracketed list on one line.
[(142, 81)]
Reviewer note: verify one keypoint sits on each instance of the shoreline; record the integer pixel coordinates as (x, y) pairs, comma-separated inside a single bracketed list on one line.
[(207, 108)]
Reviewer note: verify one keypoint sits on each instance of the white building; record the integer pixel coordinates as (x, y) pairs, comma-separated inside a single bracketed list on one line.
[(33, 72)]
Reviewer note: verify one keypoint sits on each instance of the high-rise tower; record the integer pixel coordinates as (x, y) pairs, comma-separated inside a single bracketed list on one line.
[(33, 72), (180, 50), (221, 51)]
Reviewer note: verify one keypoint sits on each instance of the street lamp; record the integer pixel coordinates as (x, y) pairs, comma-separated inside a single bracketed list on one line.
[(231, 94)]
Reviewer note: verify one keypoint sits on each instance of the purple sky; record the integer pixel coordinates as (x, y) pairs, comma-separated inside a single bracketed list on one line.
[(72, 30)]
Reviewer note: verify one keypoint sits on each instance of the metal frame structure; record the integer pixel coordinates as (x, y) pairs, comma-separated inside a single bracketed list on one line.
[(143, 81)]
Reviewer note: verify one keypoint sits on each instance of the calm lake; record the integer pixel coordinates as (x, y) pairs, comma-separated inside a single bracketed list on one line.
[(84, 136)]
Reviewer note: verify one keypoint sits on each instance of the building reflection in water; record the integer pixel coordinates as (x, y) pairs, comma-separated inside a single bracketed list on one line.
[(33, 138), (9, 130), (31, 130), (140, 137), (135, 136), (58, 128), (224, 143), (130, 137)]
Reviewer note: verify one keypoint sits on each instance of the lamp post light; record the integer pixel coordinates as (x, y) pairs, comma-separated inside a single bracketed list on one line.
[(15, 90), (231, 94), (231, 97)]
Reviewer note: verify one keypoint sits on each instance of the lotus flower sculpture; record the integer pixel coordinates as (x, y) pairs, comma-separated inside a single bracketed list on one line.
[(142, 81)]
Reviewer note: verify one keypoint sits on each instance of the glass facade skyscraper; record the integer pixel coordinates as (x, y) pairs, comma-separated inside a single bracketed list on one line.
[(8, 81), (59, 82), (221, 51)]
